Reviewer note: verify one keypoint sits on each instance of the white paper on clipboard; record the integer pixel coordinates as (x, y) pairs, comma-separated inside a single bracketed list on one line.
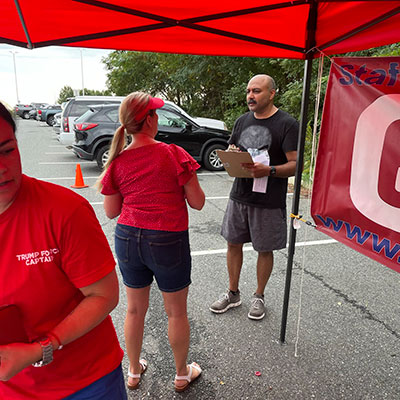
[(260, 184)]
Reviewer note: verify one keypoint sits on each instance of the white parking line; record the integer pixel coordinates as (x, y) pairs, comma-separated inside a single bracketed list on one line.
[(65, 162), (65, 178), (53, 152), (95, 203), (250, 248), (212, 173), (91, 162), (58, 178)]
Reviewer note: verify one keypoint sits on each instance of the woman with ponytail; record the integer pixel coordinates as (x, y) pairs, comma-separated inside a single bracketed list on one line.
[(147, 184)]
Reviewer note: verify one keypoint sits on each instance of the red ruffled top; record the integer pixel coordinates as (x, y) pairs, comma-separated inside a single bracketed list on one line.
[(151, 179)]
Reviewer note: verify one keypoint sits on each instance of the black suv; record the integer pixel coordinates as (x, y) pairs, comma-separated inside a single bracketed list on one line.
[(94, 131)]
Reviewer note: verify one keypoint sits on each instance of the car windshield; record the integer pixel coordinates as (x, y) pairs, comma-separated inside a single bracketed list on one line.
[(169, 119)]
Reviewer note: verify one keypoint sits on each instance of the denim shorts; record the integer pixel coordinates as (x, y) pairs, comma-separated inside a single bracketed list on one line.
[(109, 387), (144, 253)]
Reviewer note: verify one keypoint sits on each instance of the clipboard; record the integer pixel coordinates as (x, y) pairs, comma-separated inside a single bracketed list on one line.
[(11, 325), (232, 162)]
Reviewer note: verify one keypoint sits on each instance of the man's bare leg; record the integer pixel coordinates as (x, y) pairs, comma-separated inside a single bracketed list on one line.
[(234, 260), (265, 263)]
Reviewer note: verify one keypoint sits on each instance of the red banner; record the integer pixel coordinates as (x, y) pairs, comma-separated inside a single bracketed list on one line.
[(356, 195)]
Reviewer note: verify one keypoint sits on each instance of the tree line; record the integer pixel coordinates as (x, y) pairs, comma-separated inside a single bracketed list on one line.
[(67, 92), (211, 86), (215, 87)]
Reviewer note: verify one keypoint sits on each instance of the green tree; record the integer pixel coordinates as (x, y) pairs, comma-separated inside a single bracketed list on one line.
[(203, 85), (91, 92), (65, 92), (215, 87)]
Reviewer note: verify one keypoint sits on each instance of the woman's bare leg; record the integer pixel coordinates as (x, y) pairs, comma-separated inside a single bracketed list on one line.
[(138, 303), (175, 304)]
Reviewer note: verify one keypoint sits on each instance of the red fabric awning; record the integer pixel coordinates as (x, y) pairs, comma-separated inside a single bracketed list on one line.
[(260, 28)]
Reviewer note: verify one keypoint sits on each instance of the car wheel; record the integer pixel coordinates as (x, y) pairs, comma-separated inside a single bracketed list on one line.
[(50, 121), (25, 115), (211, 160), (102, 156)]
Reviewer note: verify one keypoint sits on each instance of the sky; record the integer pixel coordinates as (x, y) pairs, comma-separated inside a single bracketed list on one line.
[(42, 73)]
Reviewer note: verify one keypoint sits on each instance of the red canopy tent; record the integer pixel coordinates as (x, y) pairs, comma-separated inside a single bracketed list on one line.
[(262, 28), (298, 29)]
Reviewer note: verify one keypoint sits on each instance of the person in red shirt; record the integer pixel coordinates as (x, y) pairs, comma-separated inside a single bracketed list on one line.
[(147, 184), (57, 275)]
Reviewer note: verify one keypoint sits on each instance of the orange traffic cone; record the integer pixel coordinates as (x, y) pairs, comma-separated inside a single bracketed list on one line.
[(79, 184)]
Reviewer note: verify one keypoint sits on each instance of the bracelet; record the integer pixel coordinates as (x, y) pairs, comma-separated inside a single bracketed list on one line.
[(47, 352), (60, 345)]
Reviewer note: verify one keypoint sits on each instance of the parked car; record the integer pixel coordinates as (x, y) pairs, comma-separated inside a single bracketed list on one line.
[(77, 106), (94, 131), (57, 123), (27, 111), (47, 113), (17, 106), (36, 106), (209, 122), (33, 113), (23, 110)]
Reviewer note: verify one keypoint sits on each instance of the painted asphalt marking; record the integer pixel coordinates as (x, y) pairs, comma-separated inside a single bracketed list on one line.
[(212, 173), (91, 162), (96, 203), (53, 152), (250, 248), (65, 162), (64, 178)]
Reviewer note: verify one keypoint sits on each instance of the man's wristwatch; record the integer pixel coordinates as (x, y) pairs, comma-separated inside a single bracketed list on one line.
[(47, 349), (272, 171)]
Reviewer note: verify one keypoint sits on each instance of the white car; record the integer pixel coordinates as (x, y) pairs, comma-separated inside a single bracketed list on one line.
[(211, 123), (57, 123), (74, 109)]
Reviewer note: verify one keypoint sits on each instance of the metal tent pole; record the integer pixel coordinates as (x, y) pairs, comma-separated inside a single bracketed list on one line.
[(311, 29), (21, 18), (297, 187)]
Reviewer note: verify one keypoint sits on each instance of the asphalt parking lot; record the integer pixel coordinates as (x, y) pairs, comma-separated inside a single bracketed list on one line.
[(343, 332)]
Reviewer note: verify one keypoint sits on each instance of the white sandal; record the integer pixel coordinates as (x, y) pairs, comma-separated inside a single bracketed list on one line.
[(188, 377), (143, 365)]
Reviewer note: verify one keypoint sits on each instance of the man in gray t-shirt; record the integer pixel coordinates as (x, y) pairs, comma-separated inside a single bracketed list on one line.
[(259, 218)]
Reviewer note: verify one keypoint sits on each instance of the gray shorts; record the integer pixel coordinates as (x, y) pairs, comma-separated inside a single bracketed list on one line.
[(265, 228)]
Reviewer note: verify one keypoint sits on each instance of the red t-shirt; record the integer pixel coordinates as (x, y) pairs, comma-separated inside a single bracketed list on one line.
[(151, 179), (51, 245)]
